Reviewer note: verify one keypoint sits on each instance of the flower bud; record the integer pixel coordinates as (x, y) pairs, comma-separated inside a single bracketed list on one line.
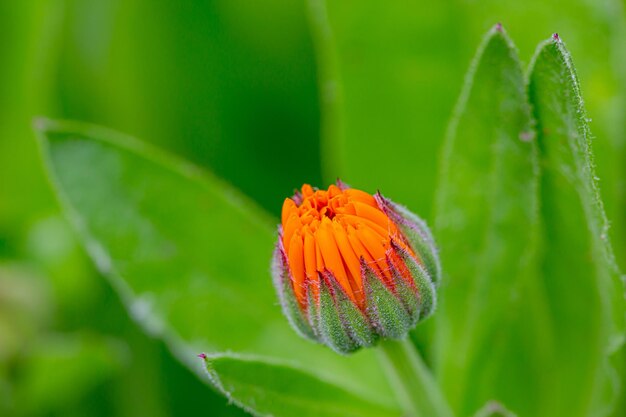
[(350, 268)]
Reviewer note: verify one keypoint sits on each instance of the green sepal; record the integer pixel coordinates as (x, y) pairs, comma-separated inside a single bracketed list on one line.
[(312, 312), (407, 292), (354, 321), (332, 330), (287, 296), (416, 232), (384, 309), (424, 286)]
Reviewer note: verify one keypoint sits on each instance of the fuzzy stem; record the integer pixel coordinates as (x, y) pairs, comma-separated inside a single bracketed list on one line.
[(412, 381)]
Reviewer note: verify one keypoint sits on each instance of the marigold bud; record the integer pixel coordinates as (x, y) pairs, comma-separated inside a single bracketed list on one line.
[(350, 267)]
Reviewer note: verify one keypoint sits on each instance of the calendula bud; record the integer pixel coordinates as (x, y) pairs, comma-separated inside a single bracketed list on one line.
[(350, 268)]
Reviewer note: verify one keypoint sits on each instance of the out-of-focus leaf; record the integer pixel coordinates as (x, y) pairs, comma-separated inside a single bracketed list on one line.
[(188, 254), (582, 283), (226, 84), (63, 369), (486, 228), (28, 45), (272, 389), (385, 71)]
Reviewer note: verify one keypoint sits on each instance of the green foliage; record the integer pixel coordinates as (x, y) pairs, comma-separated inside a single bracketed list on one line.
[(486, 228), (230, 85), (265, 388), (525, 245), (120, 209), (577, 260), (528, 268)]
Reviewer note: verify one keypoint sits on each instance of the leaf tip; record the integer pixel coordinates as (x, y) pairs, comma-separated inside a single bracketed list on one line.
[(556, 37), (527, 135), (208, 363), (499, 30), (44, 125), (499, 35), (40, 123)]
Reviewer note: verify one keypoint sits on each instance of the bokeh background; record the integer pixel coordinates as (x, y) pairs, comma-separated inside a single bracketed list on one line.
[(233, 86)]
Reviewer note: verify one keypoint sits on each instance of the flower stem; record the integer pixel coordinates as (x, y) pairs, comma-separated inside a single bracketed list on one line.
[(415, 386)]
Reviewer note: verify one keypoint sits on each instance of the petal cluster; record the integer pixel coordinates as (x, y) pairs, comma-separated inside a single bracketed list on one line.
[(351, 267)]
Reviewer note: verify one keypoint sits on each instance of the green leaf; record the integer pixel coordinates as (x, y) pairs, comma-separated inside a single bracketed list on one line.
[(188, 254), (267, 388), (175, 238), (486, 228), (582, 283)]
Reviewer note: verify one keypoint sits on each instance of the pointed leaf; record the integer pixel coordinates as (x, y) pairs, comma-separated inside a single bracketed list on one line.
[(582, 285), (485, 227), (494, 409), (268, 388)]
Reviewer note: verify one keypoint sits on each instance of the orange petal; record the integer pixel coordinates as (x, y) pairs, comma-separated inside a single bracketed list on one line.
[(296, 265), (351, 262), (362, 196), (319, 261), (332, 258), (289, 206), (321, 198), (310, 262), (375, 246), (341, 207), (373, 214), (360, 221), (293, 224), (398, 239), (333, 191), (357, 246), (400, 266), (314, 284), (307, 190)]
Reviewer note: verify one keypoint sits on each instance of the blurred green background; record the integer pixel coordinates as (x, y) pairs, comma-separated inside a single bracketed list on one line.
[(233, 86)]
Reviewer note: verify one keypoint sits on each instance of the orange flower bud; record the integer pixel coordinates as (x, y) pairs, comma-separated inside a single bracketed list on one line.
[(350, 267)]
